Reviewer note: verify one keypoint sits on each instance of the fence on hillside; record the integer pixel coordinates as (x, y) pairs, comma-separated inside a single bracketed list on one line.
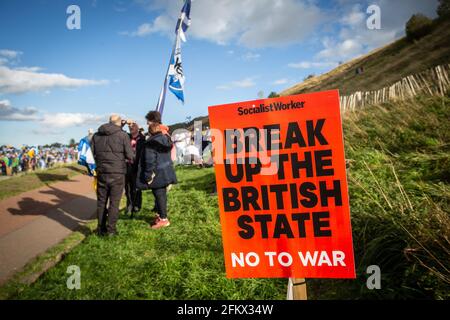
[(435, 81)]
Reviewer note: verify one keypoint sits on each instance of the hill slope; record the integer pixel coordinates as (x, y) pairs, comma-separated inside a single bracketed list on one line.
[(383, 66)]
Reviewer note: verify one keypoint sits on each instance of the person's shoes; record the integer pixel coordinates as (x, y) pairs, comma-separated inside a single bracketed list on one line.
[(156, 219), (100, 232), (136, 210), (162, 223), (129, 209)]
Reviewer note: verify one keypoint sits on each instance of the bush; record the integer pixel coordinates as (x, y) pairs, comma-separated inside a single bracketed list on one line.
[(273, 95), (443, 9), (418, 26)]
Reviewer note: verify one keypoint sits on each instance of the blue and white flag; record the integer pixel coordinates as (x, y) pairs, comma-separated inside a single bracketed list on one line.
[(184, 21), (85, 156), (174, 79), (175, 74)]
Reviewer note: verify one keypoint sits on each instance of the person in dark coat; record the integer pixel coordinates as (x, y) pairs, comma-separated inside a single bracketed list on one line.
[(134, 196), (155, 168), (111, 148)]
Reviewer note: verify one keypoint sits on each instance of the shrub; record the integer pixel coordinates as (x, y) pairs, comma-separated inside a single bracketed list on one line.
[(418, 26), (443, 9), (273, 95)]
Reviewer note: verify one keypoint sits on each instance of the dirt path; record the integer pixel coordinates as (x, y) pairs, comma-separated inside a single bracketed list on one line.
[(34, 221)]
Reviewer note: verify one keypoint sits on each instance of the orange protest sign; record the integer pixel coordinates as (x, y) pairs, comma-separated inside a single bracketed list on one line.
[(282, 187)]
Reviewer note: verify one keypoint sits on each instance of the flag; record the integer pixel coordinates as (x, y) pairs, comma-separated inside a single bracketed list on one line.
[(175, 74), (85, 156), (184, 21), (174, 79)]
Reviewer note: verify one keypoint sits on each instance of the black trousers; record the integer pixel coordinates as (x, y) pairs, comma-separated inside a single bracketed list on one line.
[(109, 188), (161, 201), (134, 196)]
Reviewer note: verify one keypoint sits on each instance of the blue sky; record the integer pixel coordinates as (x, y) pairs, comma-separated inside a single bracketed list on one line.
[(56, 83)]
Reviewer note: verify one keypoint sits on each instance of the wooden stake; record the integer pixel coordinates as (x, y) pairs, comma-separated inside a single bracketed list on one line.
[(297, 289)]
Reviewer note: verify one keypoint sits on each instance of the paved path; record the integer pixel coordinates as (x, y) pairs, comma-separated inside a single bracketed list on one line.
[(34, 221)]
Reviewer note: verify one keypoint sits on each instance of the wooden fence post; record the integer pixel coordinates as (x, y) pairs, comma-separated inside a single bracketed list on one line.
[(297, 289)]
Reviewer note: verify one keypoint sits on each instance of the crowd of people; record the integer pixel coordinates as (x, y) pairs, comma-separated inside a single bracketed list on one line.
[(131, 162), (26, 159), (189, 151)]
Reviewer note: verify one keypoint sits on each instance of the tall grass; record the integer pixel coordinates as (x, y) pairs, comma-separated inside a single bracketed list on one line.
[(399, 176)]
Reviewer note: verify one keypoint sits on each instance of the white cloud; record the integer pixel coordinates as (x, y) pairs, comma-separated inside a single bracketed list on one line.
[(343, 50), (22, 80), (66, 120), (312, 64), (354, 38), (49, 123), (280, 82), (9, 113), (162, 24), (263, 23), (244, 83), (10, 54), (250, 56), (30, 69)]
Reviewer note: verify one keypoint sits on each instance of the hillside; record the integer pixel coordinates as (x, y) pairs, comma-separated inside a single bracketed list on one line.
[(383, 66)]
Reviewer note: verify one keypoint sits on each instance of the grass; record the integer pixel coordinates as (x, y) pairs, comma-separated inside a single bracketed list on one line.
[(184, 261), (399, 184), (34, 180)]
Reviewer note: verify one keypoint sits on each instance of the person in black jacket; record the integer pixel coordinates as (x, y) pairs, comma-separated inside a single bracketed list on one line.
[(134, 196), (111, 147), (155, 168)]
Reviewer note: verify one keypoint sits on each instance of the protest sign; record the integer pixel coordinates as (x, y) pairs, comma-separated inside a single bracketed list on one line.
[(282, 187)]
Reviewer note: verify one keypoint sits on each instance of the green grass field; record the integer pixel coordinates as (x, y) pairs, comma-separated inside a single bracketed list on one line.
[(33, 180), (399, 184), (183, 261)]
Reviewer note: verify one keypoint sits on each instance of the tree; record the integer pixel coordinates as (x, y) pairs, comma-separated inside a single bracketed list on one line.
[(273, 94), (72, 142), (56, 145), (443, 9), (260, 94), (418, 26), (312, 75)]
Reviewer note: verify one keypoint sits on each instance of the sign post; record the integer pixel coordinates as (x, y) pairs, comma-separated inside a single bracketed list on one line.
[(297, 289), (282, 188)]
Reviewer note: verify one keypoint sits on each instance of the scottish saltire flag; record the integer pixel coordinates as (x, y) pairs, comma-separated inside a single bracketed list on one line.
[(85, 156), (174, 79), (184, 21), (175, 74)]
